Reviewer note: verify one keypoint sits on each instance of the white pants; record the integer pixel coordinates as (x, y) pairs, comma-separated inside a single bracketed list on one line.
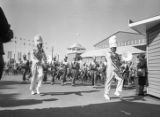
[(37, 76), (110, 76)]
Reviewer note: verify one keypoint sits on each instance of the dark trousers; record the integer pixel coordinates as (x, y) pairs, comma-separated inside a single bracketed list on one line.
[(142, 83), (74, 76), (63, 77), (25, 73), (1, 66), (45, 76), (93, 74), (139, 86), (136, 85), (84, 75), (53, 74)]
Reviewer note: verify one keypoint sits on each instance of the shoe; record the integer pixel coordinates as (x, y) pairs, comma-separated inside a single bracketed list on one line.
[(117, 93), (94, 85), (141, 94), (106, 97), (38, 92), (33, 93)]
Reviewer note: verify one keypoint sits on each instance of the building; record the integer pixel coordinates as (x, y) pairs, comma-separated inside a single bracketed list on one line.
[(133, 43), (17, 47), (150, 28), (75, 51)]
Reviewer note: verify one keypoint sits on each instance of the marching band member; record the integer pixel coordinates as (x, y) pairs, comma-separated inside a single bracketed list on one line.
[(75, 70), (113, 69), (94, 71), (64, 69), (54, 65), (25, 67), (38, 58)]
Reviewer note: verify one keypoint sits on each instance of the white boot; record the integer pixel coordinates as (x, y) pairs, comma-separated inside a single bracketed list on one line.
[(33, 93), (106, 97), (38, 92), (117, 93)]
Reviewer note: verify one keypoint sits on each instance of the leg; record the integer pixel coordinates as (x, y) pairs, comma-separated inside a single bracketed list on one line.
[(73, 77), (110, 75), (92, 76), (40, 78), (24, 74), (63, 78), (53, 73), (95, 77), (33, 81), (45, 76), (141, 89), (136, 85), (119, 85)]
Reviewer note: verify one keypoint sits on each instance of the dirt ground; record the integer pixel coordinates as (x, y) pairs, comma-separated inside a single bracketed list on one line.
[(81, 100)]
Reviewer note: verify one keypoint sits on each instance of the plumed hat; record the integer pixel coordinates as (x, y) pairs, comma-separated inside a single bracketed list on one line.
[(38, 40), (112, 41)]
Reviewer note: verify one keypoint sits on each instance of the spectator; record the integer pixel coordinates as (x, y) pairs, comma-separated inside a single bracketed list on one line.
[(141, 73), (6, 34), (26, 68)]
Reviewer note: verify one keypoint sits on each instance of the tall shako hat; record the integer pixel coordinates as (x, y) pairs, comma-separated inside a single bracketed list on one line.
[(38, 40), (112, 41)]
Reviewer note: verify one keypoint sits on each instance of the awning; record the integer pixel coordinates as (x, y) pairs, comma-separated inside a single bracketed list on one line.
[(95, 53), (142, 26)]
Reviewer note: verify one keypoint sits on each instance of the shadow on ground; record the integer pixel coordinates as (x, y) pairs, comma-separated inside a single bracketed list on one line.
[(112, 109), (10, 100), (79, 93), (7, 84)]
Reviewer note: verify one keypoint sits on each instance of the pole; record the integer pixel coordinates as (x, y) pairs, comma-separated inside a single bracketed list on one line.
[(52, 52)]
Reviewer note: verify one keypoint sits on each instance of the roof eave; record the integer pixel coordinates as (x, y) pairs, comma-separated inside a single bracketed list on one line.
[(141, 26)]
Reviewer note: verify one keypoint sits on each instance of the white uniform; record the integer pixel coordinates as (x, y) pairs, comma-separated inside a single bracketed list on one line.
[(111, 73), (37, 70)]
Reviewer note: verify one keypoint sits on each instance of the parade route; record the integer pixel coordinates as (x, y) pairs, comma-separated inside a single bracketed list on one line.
[(79, 58), (78, 101)]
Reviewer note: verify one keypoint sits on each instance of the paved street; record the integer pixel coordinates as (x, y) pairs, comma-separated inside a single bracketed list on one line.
[(68, 101)]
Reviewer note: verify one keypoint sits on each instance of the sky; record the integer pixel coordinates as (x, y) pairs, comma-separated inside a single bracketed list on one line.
[(65, 22)]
